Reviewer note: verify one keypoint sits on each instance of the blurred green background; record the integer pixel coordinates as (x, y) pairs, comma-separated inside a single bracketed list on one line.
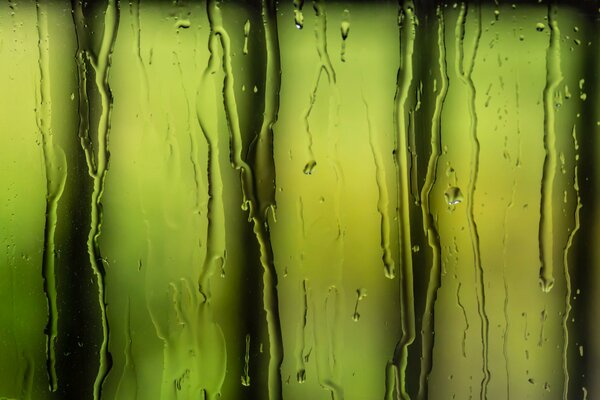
[(344, 137)]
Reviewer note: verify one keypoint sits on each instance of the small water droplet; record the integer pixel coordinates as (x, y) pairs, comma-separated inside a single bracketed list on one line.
[(183, 23), (453, 195), (540, 27), (345, 29), (301, 376), (309, 167)]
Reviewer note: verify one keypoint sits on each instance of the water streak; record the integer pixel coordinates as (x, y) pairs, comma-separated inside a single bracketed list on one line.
[(429, 224), (97, 161), (465, 75), (389, 268), (553, 78), (257, 199), (567, 274), (301, 343), (408, 28), (55, 165)]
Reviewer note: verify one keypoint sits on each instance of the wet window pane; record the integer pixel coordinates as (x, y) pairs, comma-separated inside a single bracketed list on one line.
[(292, 200)]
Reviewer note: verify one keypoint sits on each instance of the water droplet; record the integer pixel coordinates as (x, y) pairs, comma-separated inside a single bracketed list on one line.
[(540, 27), (183, 23), (453, 195), (246, 34), (361, 293), (301, 376), (298, 16), (309, 167), (345, 27)]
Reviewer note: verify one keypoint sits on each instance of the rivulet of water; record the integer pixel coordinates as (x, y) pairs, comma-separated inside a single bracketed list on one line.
[(299, 199)]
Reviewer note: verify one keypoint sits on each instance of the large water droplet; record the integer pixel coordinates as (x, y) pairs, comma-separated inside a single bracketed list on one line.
[(453, 195)]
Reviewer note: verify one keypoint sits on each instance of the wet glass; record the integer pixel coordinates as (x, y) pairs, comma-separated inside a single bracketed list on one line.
[(290, 200)]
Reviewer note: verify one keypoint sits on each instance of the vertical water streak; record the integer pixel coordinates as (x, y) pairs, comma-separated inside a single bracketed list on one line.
[(246, 375), (389, 268), (214, 258), (464, 312), (97, 163), (465, 75), (102, 67), (567, 274), (257, 199), (391, 384), (345, 31), (325, 66), (55, 165), (301, 343), (429, 224), (246, 34), (333, 381), (509, 206), (553, 78), (407, 28), (127, 386)]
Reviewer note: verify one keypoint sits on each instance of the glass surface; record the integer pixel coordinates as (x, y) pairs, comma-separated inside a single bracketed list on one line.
[(299, 200)]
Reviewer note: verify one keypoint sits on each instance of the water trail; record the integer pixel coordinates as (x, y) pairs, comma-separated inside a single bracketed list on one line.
[(298, 16), (553, 78), (260, 198), (407, 28), (510, 205), (134, 8), (412, 148), (327, 337), (215, 255), (429, 224), (389, 268), (127, 387), (301, 343), (55, 165), (360, 295), (246, 34), (465, 75), (97, 162), (332, 381), (246, 376), (199, 185), (543, 318), (464, 312), (324, 66), (345, 31), (568, 287)]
